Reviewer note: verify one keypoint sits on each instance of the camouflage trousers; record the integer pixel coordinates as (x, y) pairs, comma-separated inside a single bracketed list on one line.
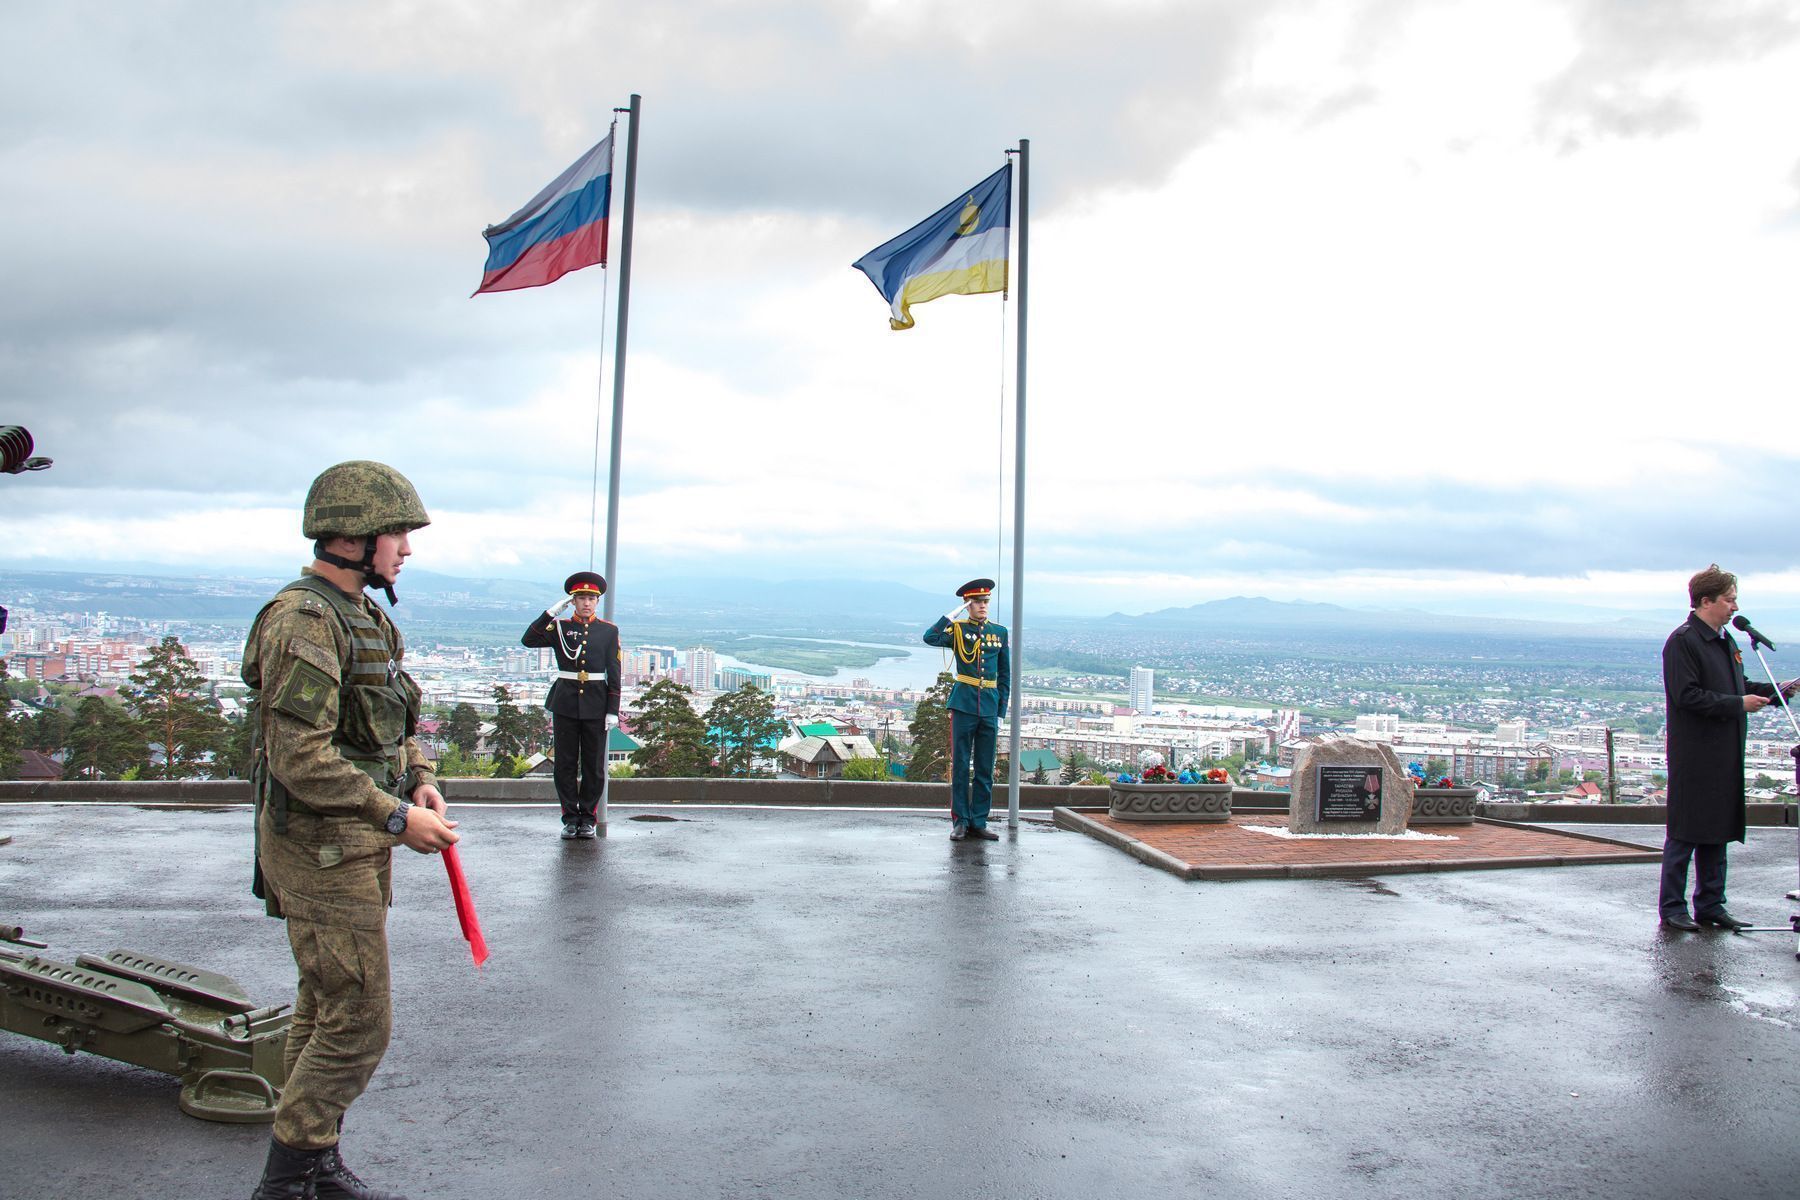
[(333, 880)]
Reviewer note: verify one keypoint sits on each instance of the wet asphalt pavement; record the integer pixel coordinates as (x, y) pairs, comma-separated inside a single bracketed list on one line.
[(825, 1005)]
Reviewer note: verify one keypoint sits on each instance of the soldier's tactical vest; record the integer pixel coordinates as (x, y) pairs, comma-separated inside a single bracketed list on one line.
[(378, 704)]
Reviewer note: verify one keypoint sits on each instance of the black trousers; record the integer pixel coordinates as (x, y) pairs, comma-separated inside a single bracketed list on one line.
[(580, 765), (1709, 876)]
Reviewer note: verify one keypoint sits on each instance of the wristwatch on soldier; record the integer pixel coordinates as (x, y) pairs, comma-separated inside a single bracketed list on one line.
[(396, 822)]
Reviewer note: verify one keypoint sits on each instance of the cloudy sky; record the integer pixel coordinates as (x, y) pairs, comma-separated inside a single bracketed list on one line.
[(1458, 304)]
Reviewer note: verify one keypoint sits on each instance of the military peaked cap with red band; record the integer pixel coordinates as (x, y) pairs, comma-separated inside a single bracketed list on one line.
[(585, 583), (976, 589)]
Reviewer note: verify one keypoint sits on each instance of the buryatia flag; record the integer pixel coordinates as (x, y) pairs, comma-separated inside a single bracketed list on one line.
[(960, 250), (562, 229)]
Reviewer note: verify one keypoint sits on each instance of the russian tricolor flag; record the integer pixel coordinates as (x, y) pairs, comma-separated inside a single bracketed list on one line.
[(562, 229)]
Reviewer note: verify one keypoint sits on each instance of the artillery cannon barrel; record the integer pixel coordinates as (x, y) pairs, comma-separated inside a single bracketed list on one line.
[(243, 1021), (16, 934)]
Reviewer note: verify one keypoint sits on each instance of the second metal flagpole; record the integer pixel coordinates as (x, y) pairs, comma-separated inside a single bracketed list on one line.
[(1018, 565), (618, 413)]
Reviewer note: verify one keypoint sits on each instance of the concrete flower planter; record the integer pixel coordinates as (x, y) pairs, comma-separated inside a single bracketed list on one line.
[(1443, 806), (1170, 801)]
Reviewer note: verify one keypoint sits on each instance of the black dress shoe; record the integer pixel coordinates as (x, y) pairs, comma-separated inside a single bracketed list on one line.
[(1722, 919), (568, 833), (984, 833), (1680, 920), (958, 831)]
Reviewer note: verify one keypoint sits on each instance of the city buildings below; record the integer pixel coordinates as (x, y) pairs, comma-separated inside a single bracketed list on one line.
[(1108, 721), (825, 757), (1142, 690), (732, 678)]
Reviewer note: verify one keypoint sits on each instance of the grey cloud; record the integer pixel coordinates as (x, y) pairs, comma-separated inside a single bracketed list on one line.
[(1439, 526), (1618, 84), (184, 295)]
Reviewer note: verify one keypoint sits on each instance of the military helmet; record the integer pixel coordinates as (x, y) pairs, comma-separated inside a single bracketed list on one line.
[(362, 499)]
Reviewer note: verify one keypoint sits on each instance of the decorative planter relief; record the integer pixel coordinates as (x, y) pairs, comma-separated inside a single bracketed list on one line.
[(1443, 806), (1170, 801)]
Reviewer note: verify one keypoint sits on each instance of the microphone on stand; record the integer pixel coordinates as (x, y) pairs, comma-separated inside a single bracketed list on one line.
[(1741, 623)]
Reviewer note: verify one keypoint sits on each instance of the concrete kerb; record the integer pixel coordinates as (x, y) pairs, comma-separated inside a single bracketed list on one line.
[(773, 793), (1069, 818), (815, 793)]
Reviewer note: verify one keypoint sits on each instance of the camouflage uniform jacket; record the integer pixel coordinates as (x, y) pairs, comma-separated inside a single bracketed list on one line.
[(333, 749)]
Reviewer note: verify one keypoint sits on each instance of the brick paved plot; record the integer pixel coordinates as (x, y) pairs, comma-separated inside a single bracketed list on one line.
[(1231, 850)]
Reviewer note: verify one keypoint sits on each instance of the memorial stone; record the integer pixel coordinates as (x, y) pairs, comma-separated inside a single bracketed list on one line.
[(1349, 786)]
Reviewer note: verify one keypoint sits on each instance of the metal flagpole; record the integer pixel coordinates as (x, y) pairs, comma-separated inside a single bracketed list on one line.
[(618, 414), (635, 114), (1018, 566)]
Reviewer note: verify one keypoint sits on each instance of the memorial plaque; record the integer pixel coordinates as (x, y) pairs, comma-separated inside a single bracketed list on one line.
[(1348, 792), (1349, 786)]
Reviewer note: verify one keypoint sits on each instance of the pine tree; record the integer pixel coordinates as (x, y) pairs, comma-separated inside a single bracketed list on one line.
[(1073, 772), (103, 742), (463, 730), (512, 728), (930, 729), (741, 723), (168, 696), (12, 736), (48, 732), (236, 755), (672, 733)]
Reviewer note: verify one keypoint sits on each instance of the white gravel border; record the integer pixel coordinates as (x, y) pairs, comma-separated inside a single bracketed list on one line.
[(1411, 835)]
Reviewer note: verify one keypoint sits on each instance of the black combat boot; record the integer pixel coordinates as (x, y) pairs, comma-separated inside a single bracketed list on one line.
[(288, 1175), (335, 1181)]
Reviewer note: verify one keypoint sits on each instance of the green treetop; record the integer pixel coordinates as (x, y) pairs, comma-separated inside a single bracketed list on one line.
[(930, 729), (672, 733), (743, 723), (169, 697)]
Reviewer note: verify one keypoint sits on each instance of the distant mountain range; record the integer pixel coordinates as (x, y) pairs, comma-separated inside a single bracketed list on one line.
[(842, 608), (1256, 613)]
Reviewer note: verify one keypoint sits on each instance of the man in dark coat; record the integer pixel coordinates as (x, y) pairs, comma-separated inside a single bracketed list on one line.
[(1709, 702), (583, 700)]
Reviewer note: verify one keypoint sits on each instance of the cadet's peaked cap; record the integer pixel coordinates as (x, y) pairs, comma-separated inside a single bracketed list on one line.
[(976, 589), (585, 583), (361, 499)]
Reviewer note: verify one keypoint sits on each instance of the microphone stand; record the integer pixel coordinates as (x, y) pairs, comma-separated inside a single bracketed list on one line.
[(1756, 647)]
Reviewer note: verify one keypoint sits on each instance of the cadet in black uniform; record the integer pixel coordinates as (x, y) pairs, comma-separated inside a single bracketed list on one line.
[(583, 700)]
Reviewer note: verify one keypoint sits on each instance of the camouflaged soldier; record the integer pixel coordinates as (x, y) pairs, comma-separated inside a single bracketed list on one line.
[(338, 780)]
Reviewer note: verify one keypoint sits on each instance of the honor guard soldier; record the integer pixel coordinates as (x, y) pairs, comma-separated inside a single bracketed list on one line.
[(983, 682), (583, 699), (339, 781)]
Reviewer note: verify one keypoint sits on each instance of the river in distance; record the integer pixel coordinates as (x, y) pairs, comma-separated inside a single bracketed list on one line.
[(917, 667)]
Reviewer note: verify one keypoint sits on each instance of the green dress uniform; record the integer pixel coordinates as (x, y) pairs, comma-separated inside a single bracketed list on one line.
[(982, 674), (336, 716)]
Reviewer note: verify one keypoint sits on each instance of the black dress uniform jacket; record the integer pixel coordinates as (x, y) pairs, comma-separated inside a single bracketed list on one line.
[(1703, 681), (592, 647)]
